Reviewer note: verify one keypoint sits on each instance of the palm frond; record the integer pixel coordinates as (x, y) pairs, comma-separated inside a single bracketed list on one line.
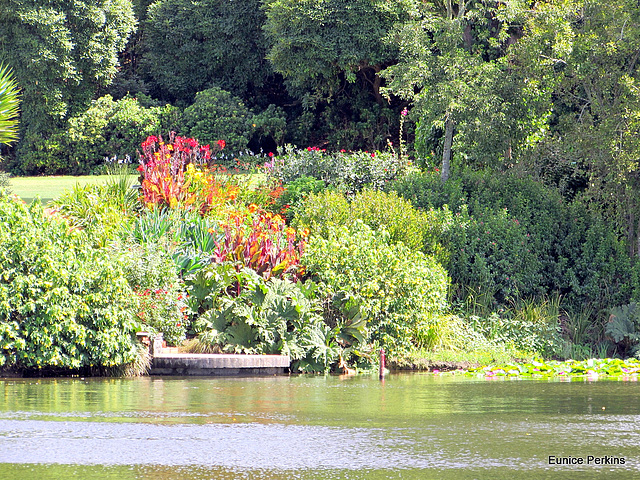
[(9, 106)]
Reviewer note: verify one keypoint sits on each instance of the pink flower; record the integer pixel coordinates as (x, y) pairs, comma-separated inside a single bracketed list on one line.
[(404, 112)]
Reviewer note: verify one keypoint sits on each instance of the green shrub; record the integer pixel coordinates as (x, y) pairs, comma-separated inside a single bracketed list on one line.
[(418, 230), (295, 193), (531, 326), (570, 249), (492, 251), (592, 264), (153, 275), (63, 303), (267, 316), (425, 190), (624, 328), (100, 210), (347, 171), (218, 115), (5, 182), (111, 129), (398, 292)]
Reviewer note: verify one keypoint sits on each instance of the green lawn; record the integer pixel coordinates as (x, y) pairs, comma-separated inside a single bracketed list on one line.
[(49, 188)]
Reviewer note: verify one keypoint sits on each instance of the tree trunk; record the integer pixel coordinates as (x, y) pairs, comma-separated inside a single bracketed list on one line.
[(638, 240), (631, 231), (446, 151)]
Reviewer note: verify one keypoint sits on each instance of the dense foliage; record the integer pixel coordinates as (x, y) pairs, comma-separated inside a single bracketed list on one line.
[(488, 147), (63, 303), (61, 54)]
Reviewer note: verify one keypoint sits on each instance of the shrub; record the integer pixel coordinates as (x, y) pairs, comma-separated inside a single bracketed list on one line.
[(592, 265), (624, 328), (268, 316), (348, 171), (111, 128), (493, 251), (530, 326), (425, 190), (418, 230), (63, 303), (294, 194), (400, 293), (153, 275), (570, 249), (216, 113), (100, 210), (5, 182)]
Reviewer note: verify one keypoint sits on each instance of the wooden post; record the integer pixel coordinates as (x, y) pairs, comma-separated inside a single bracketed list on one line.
[(382, 363)]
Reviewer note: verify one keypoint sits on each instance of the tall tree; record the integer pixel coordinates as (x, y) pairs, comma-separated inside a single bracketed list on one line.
[(318, 44), (596, 123), (456, 68), (192, 46), (61, 52)]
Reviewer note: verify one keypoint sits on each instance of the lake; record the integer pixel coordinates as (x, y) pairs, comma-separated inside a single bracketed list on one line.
[(316, 427)]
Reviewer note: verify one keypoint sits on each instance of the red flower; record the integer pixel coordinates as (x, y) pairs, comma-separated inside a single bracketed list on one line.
[(221, 144), (270, 154), (140, 168)]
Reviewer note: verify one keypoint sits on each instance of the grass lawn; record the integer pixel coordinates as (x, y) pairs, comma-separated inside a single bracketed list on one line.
[(49, 188)]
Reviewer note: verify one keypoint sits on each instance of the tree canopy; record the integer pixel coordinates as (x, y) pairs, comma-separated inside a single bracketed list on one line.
[(62, 53)]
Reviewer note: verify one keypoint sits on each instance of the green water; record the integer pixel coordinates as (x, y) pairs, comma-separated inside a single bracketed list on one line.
[(409, 426)]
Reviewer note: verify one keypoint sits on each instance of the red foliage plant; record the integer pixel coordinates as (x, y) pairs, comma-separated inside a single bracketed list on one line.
[(263, 243)]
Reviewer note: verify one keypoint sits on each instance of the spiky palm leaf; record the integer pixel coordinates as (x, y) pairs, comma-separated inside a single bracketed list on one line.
[(9, 101)]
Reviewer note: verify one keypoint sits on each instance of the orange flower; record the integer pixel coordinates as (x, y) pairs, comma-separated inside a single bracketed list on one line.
[(305, 232), (252, 208), (290, 232)]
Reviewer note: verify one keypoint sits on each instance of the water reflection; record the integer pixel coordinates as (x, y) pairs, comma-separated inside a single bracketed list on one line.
[(314, 427)]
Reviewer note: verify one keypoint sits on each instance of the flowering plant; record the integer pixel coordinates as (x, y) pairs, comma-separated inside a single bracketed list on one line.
[(164, 169), (348, 171), (261, 241), (164, 310)]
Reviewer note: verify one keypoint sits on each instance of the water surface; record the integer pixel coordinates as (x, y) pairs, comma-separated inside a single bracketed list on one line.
[(409, 426)]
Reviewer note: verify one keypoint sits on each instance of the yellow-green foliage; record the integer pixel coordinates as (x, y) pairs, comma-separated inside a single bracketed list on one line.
[(63, 303), (399, 292), (418, 230)]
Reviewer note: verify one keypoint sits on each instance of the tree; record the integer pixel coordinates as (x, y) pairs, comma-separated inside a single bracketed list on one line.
[(191, 46), (456, 68), (318, 44), (594, 48), (62, 53), (9, 102)]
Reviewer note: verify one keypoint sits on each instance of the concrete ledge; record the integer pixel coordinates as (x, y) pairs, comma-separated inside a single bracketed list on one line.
[(187, 364)]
